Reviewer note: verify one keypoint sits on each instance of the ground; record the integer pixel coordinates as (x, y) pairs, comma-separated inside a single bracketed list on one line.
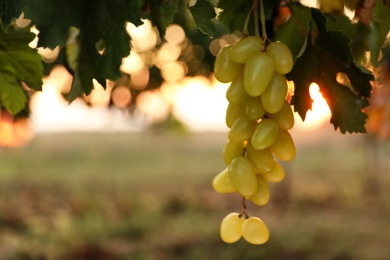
[(149, 196)]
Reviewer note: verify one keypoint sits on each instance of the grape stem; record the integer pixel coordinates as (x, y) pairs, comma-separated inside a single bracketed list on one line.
[(248, 16), (262, 21), (243, 212), (256, 17)]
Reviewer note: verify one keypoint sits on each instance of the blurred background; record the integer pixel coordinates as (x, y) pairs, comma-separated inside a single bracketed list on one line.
[(126, 172)]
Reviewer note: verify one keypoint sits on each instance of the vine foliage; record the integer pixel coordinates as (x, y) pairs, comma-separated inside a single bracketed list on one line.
[(327, 46)]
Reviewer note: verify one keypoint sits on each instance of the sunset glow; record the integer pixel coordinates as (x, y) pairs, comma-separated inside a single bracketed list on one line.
[(318, 115)]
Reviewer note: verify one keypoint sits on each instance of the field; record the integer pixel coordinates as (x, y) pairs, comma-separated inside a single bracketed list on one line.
[(149, 196)]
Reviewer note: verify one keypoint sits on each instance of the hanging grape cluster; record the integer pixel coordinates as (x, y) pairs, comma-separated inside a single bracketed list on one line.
[(259, 117)]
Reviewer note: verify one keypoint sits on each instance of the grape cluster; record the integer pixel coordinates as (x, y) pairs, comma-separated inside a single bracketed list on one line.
[(259, 117)]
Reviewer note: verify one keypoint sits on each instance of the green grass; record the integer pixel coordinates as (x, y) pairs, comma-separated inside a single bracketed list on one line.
[(149, 196)]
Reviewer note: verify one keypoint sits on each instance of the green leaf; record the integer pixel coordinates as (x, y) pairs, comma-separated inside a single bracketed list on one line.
[(161, 13), (9, 10), (323, 59), (381, 25), (234, 13), (18, 63), (203, 12), (54, 18), (294, 32)]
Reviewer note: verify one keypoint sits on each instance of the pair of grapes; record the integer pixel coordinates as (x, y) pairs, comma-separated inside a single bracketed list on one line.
[(259, 117)]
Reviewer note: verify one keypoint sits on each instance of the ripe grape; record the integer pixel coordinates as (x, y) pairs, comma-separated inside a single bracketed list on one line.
[(242, 175), (222, 184), (262, 160), (233, 112), (259, 117), (281, 56), (284, 118), (241, 51), (255, 231), (232, 150), (265, 134), (254, 109), (231, 228), (262, 194), (236, 92), (225, 69), (258, 72), (276, 174), (284, 147), (274, 95), (242, 130)]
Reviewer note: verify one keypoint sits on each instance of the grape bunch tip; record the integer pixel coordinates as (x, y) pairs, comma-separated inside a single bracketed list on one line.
[(259, 118)]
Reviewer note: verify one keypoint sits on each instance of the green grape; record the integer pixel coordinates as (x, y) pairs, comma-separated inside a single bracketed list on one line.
[(254, 109), (275, 94), (265, 134), (222, 184), (285, 117), (261, 159), (284, 147), (281, 56), (233, 112), (255, 231), (241, 130), (262, 194), (242, 50), (231, 228), (242, 175), (275, 175), (225, 69), (258, 73), (231, 151), (236, 92)]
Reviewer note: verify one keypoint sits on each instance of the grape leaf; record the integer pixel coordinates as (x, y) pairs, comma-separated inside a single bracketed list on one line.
[(293, 33), (9, 9), (105, 25), (234, 13), (54, 18), (161, 13), (18, 63), (324, 57), (203, 12), (381, 25)]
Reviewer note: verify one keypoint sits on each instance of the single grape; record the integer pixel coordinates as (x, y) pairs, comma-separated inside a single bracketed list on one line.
[(258, 73), (265, 134), (254, 109), (236, 92), (233, 112), (232, 150), (284, 118), (275, 175), (242, 175), (275, 94), (281, 56), (231, 228), (263, 160), (241, 130), (222, 184), (225, 69), (242, 50), (255, 231), (284, 147), (262, 194)]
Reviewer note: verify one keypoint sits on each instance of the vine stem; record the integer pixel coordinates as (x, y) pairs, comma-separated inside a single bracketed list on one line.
[(243, 212), (262, 21), (246, 24), (256, 17)]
